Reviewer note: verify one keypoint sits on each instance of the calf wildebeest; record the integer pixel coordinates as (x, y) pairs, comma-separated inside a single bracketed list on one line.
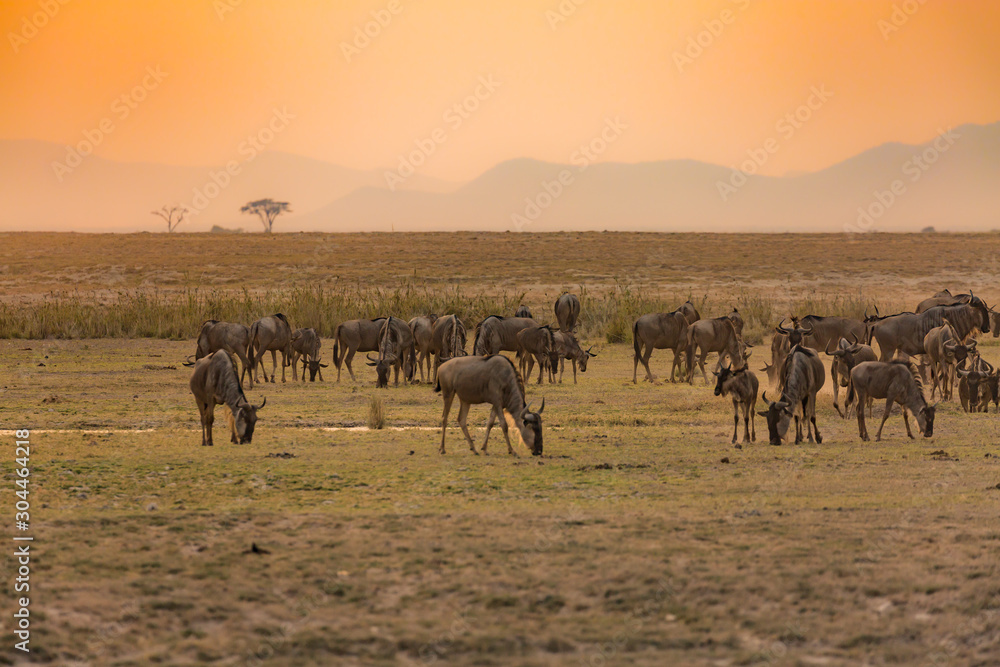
[(943, 298), (522, 311), (906, 331), (447, 340), (497, 334), (658, 331), (944, 352), (305, 346), (355, 336), (395, 352), (568, 347), (274, 334), (897, 382), (535, 344), (719, 334), (229, 336), (741, 385), (214, 382), (492, 380), (845, 357), (801, 376), (422, 327), (567, 309)]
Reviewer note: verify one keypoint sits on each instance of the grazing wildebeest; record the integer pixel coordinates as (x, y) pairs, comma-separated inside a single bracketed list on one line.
[(689, 312), (906, 331), (897, 382), (274, 334), (944, 352), (658, 331), (492, 380), (395, 352), (497, 334), (214, 382), (846, 357), (522, 311), (355, 336), (801, 376), (567, 347), (535, 344), (719, 334), (305, 346), (422, 327), (567, 309), (741, 385), (943, 298), (447, 340), (229, 336)]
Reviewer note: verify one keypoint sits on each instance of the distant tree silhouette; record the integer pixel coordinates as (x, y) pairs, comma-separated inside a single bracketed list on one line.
[(173, 215), (267, 210)]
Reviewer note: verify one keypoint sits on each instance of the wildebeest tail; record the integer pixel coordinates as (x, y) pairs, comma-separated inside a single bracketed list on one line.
[(850, 395), (336, 347), (250, 352), (437, 384), (635, 338)]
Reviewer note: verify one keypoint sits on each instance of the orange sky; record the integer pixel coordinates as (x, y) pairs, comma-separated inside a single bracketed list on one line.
[(226, 72)]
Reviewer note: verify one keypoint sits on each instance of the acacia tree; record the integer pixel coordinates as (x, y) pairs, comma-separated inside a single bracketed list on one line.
[(173, 215), (267, 210)]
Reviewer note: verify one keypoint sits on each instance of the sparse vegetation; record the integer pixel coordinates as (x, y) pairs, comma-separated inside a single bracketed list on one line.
[(376, 413)]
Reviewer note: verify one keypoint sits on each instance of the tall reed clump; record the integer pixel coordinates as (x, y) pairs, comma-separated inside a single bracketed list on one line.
[(376, 413)]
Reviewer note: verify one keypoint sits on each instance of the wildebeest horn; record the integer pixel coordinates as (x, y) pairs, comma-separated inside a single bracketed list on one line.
[(542, 408), (877, 314), (371, 362), (262, 404), (187, 361), (767, 367), (855, 337), (769, 403), (780, 328)]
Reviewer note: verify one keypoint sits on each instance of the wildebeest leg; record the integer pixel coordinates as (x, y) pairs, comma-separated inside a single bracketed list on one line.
[(752, 410), (395, 374), (906, 421), (890, 399), (347, 362), (201, 417), (448, 398), (812, 418), (862, 427), (541, 369), (246, 368), (463, 414), (562, 367), (489, 427), (284, 363), (736, 419), (209, 419), (574, 372), (798, 430), (274, 367), (503, 427), (701, 364), (645, 362)]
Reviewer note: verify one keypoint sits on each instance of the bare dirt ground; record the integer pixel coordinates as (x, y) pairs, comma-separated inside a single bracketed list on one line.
[(641, 537)]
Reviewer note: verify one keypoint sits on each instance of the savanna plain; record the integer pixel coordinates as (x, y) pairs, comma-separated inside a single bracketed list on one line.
[(642, 536)]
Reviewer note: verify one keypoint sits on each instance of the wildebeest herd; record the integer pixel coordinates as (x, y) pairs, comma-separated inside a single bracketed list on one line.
[(935, 345)]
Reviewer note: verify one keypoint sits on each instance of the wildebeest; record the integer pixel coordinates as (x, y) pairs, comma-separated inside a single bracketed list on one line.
[(944, 352), (395, 352), (229, 336), (355, 336), (906, 331), (214, 382), (274, 334), (567, 347), (689, 312), (305, 346), (658, 331), (719, 334), (814, 331), (845, 357), (974, 389), (943, 298), (492, 380), (567, 309), (522, 311), (497, 334), (741, 385), (897, 382), (801, 376), (422, 327), (447, 340), (534, 344)]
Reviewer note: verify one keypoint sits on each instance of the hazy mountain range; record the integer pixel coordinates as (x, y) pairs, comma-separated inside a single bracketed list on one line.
[(951, 185)]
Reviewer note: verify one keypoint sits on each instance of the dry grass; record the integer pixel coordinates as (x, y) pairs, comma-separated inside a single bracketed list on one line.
[(376, 413)]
